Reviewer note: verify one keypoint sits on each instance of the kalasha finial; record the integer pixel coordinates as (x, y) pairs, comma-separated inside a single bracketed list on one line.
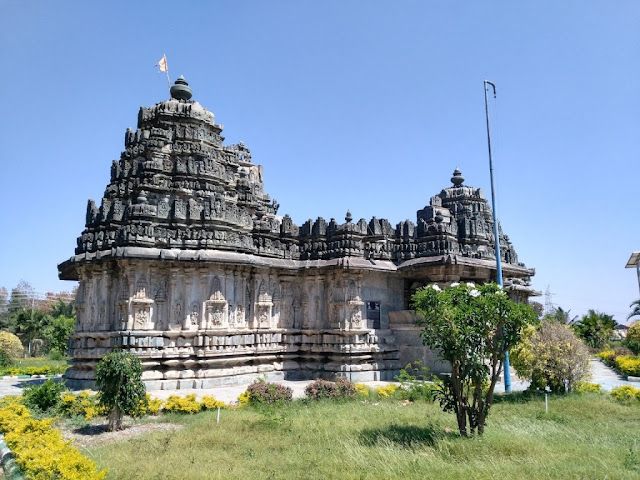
[(180, 90), (457, 178), (348, 217)]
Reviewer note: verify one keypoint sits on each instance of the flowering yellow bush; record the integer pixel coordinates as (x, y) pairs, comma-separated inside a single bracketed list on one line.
[(178, 404), (154, 405), (387, 390), (46, 370), (626, 392), (586, 387), (82, 404), (11, 344), (243, 399), (149, 406), (40, 450), (209, 402), (628, 365), (362, 390), (607, 356)]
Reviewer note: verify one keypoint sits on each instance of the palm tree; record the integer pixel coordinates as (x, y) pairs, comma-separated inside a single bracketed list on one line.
[(595, 328), (635, 309)]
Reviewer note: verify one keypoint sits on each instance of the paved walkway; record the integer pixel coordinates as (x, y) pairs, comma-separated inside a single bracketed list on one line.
[(600, 373), (606, 377)]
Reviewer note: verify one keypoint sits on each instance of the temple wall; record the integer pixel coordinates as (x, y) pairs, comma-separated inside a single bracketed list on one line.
[(197, 325)]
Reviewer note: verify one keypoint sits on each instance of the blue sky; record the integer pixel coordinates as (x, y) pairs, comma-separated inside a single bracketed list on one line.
[(347, 104)]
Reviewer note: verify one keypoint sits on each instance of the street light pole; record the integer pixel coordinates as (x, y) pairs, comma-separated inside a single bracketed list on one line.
[(496, 238)]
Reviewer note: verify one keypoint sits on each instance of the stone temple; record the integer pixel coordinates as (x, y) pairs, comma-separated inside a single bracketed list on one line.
[(186, 263)]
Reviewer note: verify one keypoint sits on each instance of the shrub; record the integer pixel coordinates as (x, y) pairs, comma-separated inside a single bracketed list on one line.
[(244, 399), (11, 345), (632, 340), (55, 354), (119, 381), (552, 356), (5, 359), (362, 390), (44, 370), (44, 397), (341, 388), (178, 404), (628, 365), (607, 356), (414, 384), (587, 387), (626, 393), (40, 450), (82, 404), (387, 391), (262, 392), (209, 402), (153, 405)]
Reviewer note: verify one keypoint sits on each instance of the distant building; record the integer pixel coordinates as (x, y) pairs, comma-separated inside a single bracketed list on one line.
[(186, 263)]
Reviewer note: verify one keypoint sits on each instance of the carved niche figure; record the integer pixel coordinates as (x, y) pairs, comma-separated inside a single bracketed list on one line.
[(264, 307), (141, 308), (176, 316), (216, 307), (194, 316)]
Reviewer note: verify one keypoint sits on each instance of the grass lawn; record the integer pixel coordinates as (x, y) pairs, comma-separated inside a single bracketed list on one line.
[(586, 436)]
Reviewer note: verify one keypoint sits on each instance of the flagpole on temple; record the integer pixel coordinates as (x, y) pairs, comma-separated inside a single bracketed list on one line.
[(496, 237), (163, 66)]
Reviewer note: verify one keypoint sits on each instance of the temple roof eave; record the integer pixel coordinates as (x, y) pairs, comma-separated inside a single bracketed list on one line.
[(68, 270)]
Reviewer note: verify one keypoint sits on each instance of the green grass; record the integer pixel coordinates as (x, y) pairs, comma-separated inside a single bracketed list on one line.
[(583, 437)]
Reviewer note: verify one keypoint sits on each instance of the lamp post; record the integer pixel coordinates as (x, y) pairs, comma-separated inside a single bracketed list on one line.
[(496, 238), (634, 261)]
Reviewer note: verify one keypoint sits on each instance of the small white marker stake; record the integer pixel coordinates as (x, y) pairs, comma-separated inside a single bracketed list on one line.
[(218, 416), (546, 402)]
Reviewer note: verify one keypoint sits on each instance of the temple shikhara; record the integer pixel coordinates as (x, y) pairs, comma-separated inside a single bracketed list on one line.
[(187, 263)]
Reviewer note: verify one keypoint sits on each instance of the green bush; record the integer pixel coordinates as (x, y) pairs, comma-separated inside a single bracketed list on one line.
[(119, 382), (5, 359), (415, 382), (262, 392), (57, 333), (632, 341), (551, 355), (44, 397), (11, 345), (626, 393)]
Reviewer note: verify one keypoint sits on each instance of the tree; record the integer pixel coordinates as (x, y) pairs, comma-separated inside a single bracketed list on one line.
[(561, 316), (537, 307), (635, 309), (29, 325), (551, 356), (120, 387), (595, 328), (471, 327), (632, 340), (56, 334), (4, 308)]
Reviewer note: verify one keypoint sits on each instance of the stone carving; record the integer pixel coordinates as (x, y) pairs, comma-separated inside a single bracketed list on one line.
[(216, 308)]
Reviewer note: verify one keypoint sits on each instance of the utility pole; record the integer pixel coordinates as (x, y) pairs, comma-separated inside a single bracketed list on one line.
[(496, 238)]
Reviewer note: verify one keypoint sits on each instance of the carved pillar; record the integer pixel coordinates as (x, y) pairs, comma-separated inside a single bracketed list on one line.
[(176, 299)]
